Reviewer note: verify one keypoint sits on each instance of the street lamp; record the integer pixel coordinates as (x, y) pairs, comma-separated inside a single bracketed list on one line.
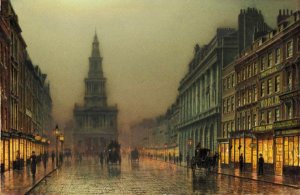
[(62, 139), (56, 133), (190, 142)]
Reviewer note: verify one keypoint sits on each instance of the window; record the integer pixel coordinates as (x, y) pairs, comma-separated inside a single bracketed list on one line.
[(277, 83), (232, 103), (228, 105), (269, 119), (263, 118), (249, 122), (289, 110), (255, 93), (224, 106), (232, 126), (254, 120), (289, 80), (276, 114), (263, 63), (269, 89), (232, 80), (298, 44), (262, 91), (238, 124), (277, 55), (249, 96), (255, 68), (270, 59), (289, 49)]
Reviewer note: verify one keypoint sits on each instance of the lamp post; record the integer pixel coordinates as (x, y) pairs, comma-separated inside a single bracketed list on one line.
[(165, 145), (62, 139), (56, 133), (190, 141)]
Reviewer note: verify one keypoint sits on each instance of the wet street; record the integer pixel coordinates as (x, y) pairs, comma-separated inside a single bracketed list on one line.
[(147, 177)]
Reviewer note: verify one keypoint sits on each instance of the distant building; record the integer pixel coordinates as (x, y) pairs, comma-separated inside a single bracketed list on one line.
[(95, 121)]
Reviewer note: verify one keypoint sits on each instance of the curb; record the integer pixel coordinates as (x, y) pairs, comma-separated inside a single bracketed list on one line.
[(243, 177), (39, 181), (261, 180)]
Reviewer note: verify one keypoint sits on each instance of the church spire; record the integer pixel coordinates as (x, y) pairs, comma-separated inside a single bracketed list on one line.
[(95, 48)]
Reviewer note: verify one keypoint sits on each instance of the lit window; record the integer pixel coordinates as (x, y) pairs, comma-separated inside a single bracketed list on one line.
[(254, 120), (255, 93), (289, 49), (277, 55), (277, 83), (249, 122)]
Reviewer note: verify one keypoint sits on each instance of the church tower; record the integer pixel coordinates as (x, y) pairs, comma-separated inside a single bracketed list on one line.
[(95, 94), (95, 121)]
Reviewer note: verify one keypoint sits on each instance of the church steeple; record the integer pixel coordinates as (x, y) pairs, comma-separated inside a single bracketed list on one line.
[(95, 48), (95, 84)]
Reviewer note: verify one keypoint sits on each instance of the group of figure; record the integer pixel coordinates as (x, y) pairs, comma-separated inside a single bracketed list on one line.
[(261, 162)]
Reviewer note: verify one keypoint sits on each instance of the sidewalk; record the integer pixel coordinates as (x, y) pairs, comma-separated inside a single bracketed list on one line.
[(293, 181), (21, 181)]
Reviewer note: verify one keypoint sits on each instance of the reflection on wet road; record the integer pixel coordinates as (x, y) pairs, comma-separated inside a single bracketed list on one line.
[(147, 177)]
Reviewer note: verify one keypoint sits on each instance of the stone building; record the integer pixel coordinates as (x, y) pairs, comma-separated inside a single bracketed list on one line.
[(267, 99), (200, 92), (95, 121), (26, 104), (228, 112)]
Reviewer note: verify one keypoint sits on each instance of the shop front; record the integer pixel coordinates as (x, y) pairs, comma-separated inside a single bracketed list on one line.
[(243, 143), (223, 150), (287, 147)]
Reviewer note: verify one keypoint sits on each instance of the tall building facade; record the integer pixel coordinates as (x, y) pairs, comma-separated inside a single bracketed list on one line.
[(267, 99), (95, 121), (200, 93), (26, 104)]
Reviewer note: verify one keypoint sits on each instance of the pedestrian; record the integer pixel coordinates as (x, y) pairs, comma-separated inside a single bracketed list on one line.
[(53, 156), (33, 163), (101, 158), (18, 160), (187, 160), (261, 165), (241, 162), (45, 160), (180, 158)]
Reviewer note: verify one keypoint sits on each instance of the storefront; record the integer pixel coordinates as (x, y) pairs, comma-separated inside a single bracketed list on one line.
[(287, 147), (243, 142), (223, 150)]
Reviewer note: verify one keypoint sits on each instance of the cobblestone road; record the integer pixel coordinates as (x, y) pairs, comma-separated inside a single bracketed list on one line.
[(147, 177)]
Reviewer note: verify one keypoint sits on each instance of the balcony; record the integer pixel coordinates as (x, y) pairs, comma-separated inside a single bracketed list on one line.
[(287, 124), (263, 128)]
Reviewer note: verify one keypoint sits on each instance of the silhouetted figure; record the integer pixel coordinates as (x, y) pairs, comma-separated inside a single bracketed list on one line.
[(53, 157), (180, 158), (33, 163), (101, 156), (187, 160), (261, 165), (18, 160), (45, 160), (241, 162)]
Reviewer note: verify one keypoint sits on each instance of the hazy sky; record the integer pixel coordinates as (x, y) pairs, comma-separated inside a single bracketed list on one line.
[(146, 45)]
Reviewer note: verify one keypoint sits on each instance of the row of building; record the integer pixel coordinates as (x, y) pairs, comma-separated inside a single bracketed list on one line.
[(241, 95), (26, 104)]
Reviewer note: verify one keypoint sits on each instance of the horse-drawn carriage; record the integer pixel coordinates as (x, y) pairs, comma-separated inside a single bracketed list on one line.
[(203, 159), (113, 153), (134, 155)]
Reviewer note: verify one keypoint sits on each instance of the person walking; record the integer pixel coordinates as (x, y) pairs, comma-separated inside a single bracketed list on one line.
[(241, 162), (101, 158), (53, 156), (261, 165), (33, 163), (45, 160), (180, 158)]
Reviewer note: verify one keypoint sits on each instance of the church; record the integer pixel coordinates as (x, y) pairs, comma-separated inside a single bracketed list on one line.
[(95, 121)]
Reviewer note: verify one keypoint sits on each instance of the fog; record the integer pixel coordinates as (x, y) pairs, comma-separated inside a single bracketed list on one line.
[(145, 44)]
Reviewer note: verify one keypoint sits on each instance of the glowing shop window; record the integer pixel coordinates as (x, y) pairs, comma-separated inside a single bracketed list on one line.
[(296, 151), (286, 151), (248, 150), (226, 153), (236, 150), (270, 151), (1, 152), (291, 146)]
